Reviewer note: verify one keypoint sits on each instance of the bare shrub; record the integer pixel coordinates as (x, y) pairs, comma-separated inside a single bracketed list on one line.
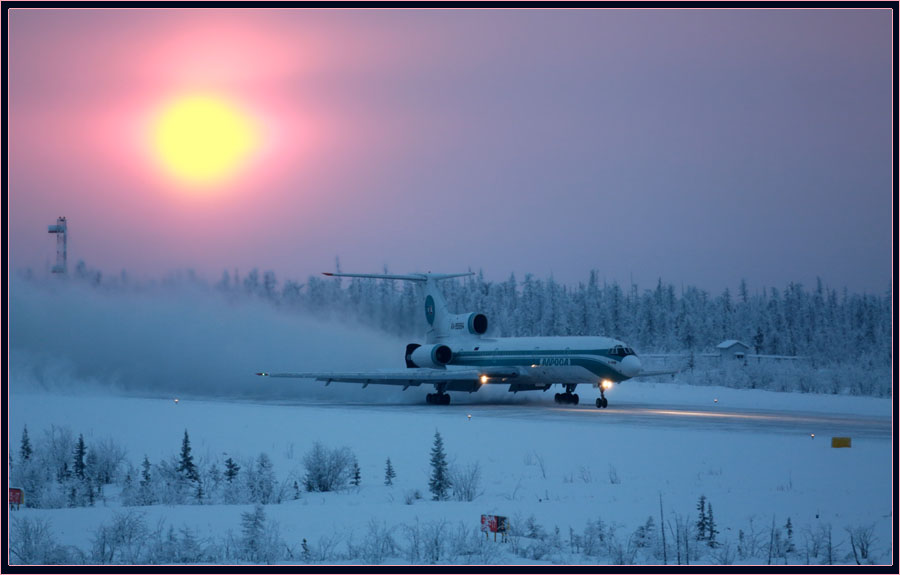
[(378, 544), (122, 541), (724, 553), (585, 474), (861, 539), (465, 482), (621, 552), (614, 475), (433, 537), (327, 469), (31, 542), (540, 461), (324, 551)]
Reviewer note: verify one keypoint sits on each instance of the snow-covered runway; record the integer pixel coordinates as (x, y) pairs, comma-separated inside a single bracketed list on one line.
[(743, 420), (654, 405)]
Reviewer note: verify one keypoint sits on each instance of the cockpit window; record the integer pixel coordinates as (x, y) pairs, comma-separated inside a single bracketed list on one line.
[(621, 351)]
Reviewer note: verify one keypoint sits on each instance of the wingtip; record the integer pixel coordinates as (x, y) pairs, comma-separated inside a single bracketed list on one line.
[(262, 373), (327, 274)]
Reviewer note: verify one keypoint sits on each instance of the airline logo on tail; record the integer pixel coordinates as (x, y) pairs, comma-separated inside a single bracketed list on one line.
[(429, 310)]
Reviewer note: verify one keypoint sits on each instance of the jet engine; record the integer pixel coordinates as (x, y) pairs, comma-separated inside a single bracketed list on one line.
[(428, 355), (474, 323)]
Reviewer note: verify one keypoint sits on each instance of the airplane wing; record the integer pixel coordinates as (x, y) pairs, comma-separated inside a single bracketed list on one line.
[(455, 378)]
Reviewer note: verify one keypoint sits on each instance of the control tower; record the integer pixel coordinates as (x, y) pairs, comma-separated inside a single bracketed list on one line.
[(60, 230)]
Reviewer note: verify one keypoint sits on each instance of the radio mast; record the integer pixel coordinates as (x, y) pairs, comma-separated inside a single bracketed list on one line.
[(60, 230)]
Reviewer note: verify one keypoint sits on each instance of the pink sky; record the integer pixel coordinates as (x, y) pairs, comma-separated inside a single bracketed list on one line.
[(643, 143)]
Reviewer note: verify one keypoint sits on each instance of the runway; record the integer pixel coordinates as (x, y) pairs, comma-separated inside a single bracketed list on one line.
[(716, 418)]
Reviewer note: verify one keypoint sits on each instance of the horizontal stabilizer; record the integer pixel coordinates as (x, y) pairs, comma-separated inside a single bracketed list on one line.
[(647, 373), (404, 277)]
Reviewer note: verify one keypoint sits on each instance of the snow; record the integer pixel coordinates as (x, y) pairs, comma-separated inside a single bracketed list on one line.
[(743, 471), (110, 363)]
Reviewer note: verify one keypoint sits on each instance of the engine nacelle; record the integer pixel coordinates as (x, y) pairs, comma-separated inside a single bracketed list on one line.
[(428, 355), (472, 323)]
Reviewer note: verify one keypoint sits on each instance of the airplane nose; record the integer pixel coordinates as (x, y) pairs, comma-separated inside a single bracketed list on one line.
[(630, 365)]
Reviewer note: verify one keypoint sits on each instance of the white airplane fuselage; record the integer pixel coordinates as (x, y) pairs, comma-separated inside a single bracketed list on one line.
[(552, 359), (458, 355)]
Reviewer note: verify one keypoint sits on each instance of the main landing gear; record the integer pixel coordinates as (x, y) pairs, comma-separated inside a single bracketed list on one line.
[(568, 396), (601, 401), (437, 399)]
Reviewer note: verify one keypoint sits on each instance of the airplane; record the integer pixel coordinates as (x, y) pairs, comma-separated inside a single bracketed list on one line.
[(457, 356)]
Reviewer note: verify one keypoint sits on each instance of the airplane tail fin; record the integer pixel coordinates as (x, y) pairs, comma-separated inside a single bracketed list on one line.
[(436, 314)]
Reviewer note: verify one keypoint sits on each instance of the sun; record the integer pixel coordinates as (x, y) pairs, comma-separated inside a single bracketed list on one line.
[(203, 141)]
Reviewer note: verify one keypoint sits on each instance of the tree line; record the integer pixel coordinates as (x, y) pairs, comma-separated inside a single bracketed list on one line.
[(820, 323), (832, 330)]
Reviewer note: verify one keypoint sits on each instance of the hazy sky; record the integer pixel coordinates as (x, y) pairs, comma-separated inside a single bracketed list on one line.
[(700, 146)]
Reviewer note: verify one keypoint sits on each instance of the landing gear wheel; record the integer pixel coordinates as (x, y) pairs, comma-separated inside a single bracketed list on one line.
[(437, 399), (605, 403), (566, 397), (599, 403)]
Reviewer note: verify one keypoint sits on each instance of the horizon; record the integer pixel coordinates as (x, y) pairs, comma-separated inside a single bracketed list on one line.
[(211, 280)]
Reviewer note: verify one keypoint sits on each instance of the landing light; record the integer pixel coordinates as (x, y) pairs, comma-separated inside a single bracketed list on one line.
[(606, 384), (484, 379)]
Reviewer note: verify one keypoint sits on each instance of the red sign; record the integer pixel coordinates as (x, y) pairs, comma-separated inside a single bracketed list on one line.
[(16, 496), (494, 523)]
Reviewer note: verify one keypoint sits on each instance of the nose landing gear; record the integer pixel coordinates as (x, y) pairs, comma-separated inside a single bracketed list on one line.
[(601, 401)]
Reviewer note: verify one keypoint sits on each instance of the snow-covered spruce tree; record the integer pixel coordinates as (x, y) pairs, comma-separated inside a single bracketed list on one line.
[(702, 520), (440, 481), (263, 488), (107, 457), (232, 489), (355, 474), (25, 450), (129, 494), (252, 525), (145, 489), (231, 470), (389, 473), (186, 464), (78, 458), (789, 543), (211, 482), (711, 527), (260, 539)]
